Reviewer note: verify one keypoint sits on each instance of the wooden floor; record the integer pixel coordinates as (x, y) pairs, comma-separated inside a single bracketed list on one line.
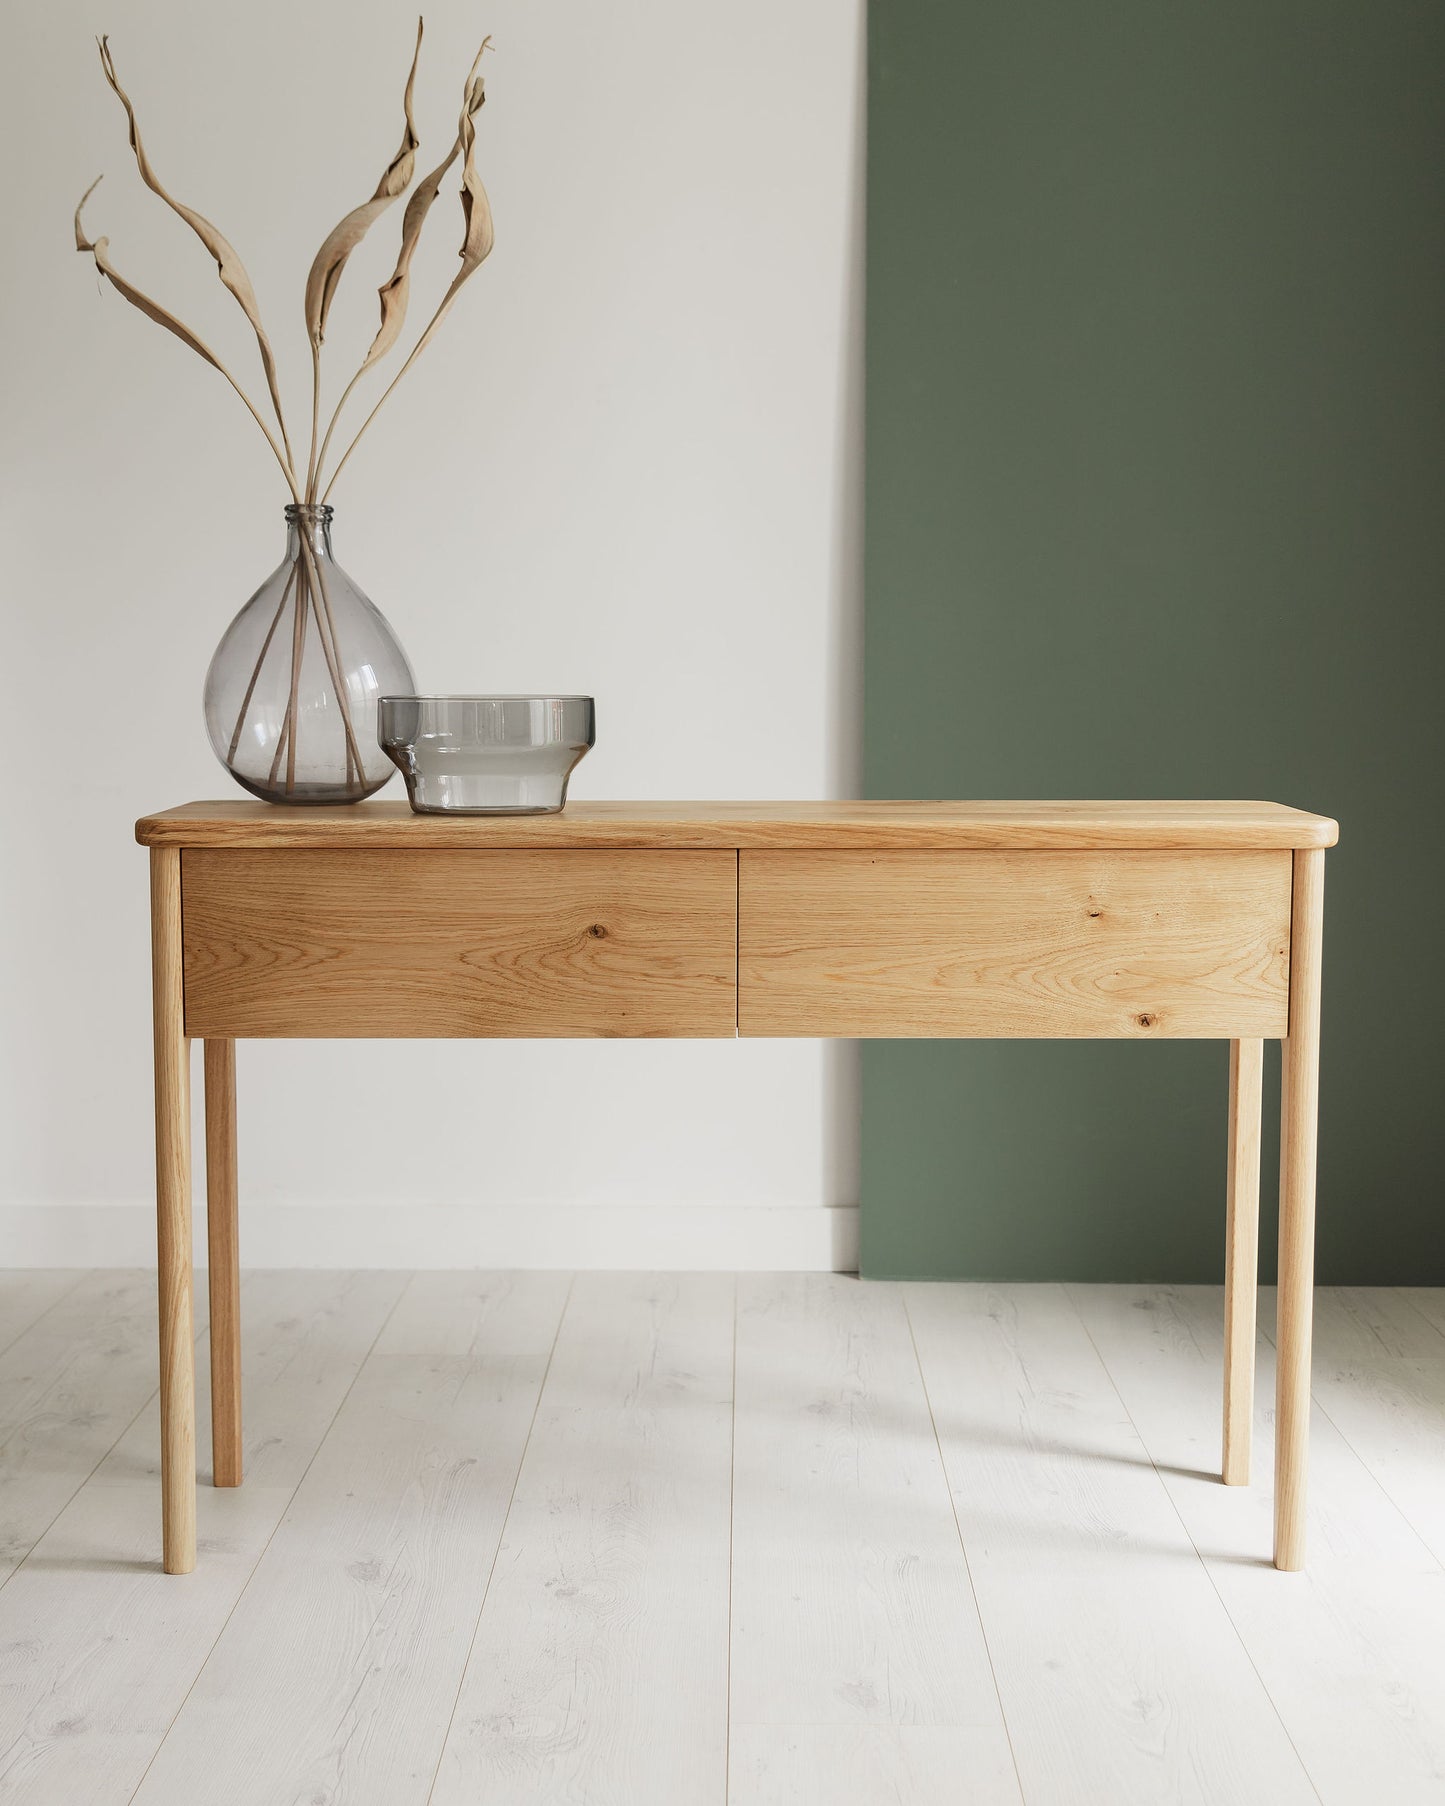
[(666, 1540)]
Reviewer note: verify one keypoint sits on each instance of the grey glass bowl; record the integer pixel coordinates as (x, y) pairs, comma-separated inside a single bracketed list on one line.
[(486, 755)]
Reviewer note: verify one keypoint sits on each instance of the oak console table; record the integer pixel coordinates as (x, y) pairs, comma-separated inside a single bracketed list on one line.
[(1145, 921)]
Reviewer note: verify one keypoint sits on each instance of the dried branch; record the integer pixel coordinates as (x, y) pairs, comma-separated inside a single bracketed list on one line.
[(245, 707), (478, 238), (395, 293), (99, 250), (229, 266), (306, 591), (325, 273)]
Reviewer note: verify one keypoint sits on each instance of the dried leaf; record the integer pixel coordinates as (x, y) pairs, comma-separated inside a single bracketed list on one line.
[(479, 235), (395, 292), (343, 238), (99, 250), (477, 241), (228, 265)]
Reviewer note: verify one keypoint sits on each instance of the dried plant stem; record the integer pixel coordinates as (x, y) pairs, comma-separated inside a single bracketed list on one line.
[(318, 582), (331, 652), (255, 675), (331, 483), (287, 742), (326, 442), (416, 351), (311, 598), (311, 462), (286, 470)]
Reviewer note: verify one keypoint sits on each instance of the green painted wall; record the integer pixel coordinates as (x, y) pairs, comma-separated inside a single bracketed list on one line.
[(1156, 383)]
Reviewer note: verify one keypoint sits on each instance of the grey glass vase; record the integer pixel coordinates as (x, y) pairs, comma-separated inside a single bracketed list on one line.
[(292, 691)]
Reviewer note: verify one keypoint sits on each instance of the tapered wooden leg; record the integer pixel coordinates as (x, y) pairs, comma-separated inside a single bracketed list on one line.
[(173, 1218), (1298, 1113), (1241, 1254), (225, 1265)]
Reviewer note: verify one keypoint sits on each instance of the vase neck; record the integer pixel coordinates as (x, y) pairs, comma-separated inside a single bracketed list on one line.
[(312, 521)]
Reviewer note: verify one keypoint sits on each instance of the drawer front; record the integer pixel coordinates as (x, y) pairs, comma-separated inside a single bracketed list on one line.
[(1021, 944), (442, 943)]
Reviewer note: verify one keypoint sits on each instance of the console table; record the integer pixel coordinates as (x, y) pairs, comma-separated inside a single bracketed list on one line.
[(1145, 921)]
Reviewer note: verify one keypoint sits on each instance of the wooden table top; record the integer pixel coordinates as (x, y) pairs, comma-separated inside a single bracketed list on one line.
[(899, 825)]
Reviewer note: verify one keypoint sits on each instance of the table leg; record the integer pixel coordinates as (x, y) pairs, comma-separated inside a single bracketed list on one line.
[(1298, 1113), (173, 1218), (224, 1273), (1241, 1254)]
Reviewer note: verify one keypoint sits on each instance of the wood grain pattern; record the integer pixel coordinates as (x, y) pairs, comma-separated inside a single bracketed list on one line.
[(380, 942), (1144, 945), (224, 1256), (1299, 1109), (730, 825), (173, 1217), (1241, 1254)]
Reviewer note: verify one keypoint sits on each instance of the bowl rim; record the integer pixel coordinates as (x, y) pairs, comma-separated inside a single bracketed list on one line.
[(493, 696)]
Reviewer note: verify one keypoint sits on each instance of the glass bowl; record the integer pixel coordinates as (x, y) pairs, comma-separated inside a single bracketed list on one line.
[(486, 755)]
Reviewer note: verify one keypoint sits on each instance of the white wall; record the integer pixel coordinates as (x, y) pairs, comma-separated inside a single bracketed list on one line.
[(629, 465)]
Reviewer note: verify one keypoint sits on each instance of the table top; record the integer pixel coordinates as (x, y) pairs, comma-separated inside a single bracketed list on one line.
[(897, 825)]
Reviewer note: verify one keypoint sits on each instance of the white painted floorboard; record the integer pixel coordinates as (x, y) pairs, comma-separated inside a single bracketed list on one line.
[(1350, 1650), (1121, 1676), (69, 1385), (599, 1672), (98, 1648), (24, 1297), (691, 1541), (380, 1561), (852, 1602)]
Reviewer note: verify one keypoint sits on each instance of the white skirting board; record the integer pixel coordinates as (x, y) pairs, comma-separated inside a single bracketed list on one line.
[(676, 1238)]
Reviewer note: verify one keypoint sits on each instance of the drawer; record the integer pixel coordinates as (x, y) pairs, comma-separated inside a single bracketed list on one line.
[(393, 942), (1022, 944)]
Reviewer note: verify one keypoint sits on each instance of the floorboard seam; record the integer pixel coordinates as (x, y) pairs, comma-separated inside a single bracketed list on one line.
[(1410, 1304), (963, 1546), (1375, 1480), (81, 1274), (1380, 1486), (1198, 1554), (100, 1460), (261, 1553), (501, 1538)]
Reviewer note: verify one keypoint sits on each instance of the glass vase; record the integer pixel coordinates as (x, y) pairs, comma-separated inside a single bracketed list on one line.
[(291, 694)]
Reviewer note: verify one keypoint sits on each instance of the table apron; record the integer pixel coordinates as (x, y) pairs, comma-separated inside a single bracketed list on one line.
[(438, 942)]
